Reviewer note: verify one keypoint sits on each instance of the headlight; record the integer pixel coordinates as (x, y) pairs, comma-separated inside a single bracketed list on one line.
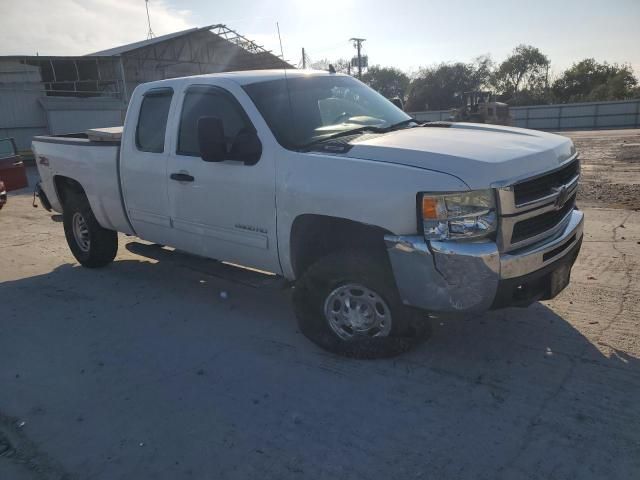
[(458, 215)]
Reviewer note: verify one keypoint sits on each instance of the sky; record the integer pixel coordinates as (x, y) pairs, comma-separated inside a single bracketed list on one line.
[(406, 34)]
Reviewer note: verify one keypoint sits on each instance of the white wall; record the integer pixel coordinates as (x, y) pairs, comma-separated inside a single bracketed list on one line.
[(75, 115), (21, 117)]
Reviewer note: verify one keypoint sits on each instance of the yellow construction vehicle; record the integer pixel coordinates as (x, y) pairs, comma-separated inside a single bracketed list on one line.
[(481, 107)]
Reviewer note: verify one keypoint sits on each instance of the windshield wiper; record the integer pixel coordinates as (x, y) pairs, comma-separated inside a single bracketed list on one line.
[(395, 126), (344, 133), (355, 131)]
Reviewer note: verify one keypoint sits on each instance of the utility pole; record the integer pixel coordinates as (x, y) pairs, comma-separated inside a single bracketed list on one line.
[(357, 43), (150, 33), (304, 60)]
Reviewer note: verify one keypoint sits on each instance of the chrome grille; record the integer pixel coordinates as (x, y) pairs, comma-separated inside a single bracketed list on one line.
[(532, 190), (537, 208), (536, 225)]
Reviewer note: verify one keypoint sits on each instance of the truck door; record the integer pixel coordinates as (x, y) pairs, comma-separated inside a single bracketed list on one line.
[(143, 167), (223, 210)]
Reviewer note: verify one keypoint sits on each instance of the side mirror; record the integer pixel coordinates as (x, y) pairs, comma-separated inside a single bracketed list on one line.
[(213, 147), (246, 147)]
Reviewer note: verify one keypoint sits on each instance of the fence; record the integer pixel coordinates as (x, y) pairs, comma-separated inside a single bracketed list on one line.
[(570, 116)]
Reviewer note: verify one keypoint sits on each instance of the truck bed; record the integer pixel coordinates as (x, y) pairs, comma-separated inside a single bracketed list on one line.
[(95, 136), (92, 159)]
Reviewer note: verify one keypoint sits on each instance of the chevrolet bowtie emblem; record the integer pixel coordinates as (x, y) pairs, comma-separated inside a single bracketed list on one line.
[(563, 196)]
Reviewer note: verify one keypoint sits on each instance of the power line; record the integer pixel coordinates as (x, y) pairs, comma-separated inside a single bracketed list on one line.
[(320, 52), (324, 49)]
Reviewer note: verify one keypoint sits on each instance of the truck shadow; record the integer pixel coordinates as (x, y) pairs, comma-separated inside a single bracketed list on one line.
[(486, 394), (509, 336)]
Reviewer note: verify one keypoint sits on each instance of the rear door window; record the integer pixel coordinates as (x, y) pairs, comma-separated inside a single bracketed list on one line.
[(152, 122)]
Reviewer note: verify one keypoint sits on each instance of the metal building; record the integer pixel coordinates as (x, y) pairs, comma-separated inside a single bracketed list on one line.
[(56, 94)]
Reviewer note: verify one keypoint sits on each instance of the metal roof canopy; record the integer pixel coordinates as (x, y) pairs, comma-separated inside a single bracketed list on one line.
[(115, 71), (219, 29), (60, 94)]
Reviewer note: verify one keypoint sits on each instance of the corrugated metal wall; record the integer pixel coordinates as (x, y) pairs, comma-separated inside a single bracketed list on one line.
[(21, 117), (53, 95), (571, 116), (75, 115), (195, 54)]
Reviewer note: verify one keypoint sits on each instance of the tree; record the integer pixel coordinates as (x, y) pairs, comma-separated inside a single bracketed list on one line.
[(388, 81), (442, 86), (483, 68), (527, 69), (589, 80)]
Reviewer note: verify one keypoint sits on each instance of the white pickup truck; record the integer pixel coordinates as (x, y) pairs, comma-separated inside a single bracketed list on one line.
[(377, 218)]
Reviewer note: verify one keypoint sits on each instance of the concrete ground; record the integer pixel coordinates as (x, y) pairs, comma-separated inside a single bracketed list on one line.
[(144, 370)]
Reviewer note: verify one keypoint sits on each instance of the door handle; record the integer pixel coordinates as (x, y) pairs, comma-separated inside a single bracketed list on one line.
[(182, 177)]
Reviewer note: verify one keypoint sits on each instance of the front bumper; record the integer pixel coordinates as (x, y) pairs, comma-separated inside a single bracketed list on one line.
[(475, 276)]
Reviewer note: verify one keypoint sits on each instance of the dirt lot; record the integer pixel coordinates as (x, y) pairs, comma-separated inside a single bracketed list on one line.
[(143, 370), (610, 168)]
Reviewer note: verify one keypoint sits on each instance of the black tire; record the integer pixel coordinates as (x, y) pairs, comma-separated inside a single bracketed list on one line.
[(409, 326), (102, 243)]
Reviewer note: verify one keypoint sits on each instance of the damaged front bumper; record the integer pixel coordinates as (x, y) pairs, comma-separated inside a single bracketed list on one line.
[(446, 276)]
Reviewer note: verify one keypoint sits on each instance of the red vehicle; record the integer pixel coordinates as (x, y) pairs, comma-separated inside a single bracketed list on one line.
[(12, 169)]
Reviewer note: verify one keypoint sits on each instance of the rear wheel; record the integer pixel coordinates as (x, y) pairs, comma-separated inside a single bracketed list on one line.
[(347, 303), (92, 245)]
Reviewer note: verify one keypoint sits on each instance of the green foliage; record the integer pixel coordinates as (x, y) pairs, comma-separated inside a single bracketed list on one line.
[(387, 81), (443, 86), (521, 79), (589, 80), (526, 69)]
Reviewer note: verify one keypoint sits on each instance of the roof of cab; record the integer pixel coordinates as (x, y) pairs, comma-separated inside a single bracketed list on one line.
[(246, 77)]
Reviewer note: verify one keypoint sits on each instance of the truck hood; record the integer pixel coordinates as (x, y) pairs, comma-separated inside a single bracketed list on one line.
[(480, 155)]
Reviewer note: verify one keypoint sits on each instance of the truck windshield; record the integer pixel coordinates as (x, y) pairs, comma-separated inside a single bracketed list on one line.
[(316, 107)]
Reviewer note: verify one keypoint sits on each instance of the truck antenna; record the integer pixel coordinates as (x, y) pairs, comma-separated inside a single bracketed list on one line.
[(286, 78)]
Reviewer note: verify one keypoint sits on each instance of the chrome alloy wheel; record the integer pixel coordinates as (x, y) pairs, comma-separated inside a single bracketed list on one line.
[(354, 310), (81, 232)]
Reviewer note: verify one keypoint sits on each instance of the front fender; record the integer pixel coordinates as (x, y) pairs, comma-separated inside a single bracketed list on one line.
[(364, 191)]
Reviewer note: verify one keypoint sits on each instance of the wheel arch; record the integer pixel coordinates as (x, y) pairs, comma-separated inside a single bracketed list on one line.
[(65, 185), (314, 236)]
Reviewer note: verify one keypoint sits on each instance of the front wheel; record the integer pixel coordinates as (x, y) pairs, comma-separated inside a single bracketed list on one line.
[(92, 245), (347, 303)]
